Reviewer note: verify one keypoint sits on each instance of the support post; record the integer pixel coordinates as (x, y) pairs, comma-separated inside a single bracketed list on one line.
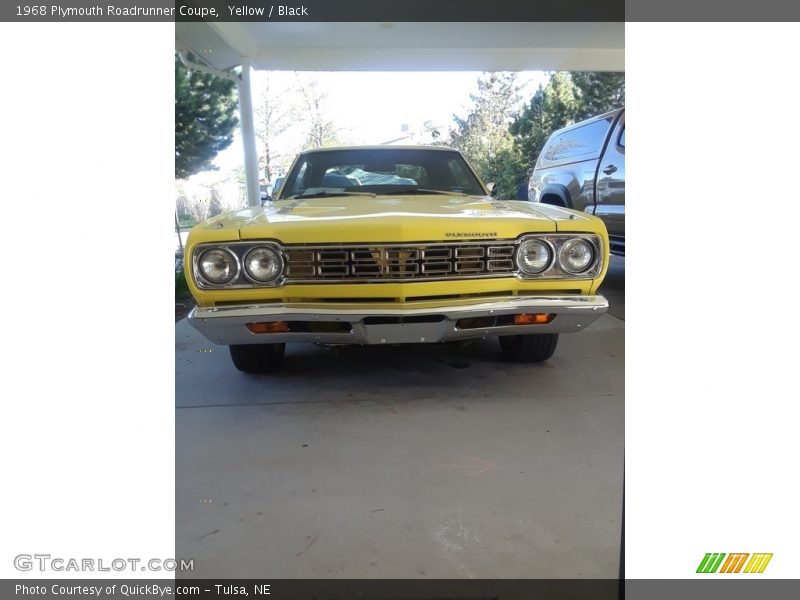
[(249, 136), (178, 231)]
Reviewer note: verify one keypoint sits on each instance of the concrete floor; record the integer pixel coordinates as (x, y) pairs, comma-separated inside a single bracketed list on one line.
[(411, 462), (613, 287)]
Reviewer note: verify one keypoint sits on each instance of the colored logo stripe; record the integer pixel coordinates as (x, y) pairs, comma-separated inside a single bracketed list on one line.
[(734, 563), (758, 563), (710, 562)]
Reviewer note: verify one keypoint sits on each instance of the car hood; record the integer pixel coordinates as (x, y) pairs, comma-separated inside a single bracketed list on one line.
[(393, 219)]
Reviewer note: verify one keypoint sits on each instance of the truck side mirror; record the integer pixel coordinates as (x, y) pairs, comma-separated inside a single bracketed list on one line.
[(492, 187)]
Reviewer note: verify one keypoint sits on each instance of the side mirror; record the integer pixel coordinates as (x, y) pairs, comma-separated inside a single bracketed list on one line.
[(492, 187)]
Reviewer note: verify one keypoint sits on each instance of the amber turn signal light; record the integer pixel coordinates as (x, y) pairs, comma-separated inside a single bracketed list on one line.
[(537, 319), (274, 327)]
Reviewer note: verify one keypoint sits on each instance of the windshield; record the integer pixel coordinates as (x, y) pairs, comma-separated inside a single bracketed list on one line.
[(371, 172)]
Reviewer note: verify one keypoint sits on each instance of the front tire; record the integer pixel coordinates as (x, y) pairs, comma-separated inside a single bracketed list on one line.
[(257, 358), (531, 348)]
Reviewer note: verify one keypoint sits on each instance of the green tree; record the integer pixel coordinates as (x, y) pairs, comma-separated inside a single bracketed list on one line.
[(552, 107), (205, 119), (566, 99), (598, 92), (483, 135)]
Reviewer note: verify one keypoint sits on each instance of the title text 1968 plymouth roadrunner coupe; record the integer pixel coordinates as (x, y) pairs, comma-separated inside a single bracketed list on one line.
[(393, 245)]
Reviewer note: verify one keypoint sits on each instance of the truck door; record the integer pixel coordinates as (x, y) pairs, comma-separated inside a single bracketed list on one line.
[(610, 190)]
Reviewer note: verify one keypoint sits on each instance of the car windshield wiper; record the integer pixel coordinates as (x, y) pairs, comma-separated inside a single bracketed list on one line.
[(328, 194), (424, 191)]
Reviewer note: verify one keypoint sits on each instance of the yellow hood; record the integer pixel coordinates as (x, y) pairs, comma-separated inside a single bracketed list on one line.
[(413, 218)]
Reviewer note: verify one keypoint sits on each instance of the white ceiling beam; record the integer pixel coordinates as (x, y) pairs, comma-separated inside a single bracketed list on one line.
[(410, 46)]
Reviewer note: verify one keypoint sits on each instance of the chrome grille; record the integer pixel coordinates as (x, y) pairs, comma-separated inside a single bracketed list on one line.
[(399, 262)]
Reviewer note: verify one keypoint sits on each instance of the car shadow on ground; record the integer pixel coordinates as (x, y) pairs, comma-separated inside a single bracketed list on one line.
[(590, 362)]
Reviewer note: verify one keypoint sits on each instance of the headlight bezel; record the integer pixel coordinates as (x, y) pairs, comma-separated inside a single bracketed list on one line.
[(239, 250), (562, 262), (555, 269), (200, 275), (551, 256), (253, 279)]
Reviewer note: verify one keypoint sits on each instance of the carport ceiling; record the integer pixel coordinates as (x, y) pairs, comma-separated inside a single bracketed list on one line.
[(299, 46)]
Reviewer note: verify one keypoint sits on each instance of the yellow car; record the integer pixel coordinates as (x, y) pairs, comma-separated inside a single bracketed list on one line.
[(393, 245)]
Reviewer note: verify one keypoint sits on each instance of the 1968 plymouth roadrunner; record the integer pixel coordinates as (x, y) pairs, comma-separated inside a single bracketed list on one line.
[(393, 245)]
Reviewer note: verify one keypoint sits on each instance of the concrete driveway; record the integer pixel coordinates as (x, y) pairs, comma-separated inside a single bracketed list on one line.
[(413, 462), (613, 287)]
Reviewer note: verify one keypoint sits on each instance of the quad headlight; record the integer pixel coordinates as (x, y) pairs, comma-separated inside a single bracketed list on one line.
[(559, 256), (575, 256), (239, 264), (263, 264), (533, 256), (218, 266)]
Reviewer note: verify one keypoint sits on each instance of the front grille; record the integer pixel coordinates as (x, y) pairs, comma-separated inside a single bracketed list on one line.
[(399, 262)]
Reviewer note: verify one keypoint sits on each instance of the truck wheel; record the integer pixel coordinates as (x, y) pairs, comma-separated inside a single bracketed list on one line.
[(257, 358), (529, 348)]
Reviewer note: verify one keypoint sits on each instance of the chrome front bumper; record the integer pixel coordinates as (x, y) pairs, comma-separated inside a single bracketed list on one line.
[(228, 325)]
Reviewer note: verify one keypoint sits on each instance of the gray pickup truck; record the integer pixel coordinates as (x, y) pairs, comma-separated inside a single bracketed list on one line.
[(583, 167)]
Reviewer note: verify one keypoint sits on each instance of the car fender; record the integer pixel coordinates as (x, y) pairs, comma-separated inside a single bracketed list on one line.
[(558, 190)]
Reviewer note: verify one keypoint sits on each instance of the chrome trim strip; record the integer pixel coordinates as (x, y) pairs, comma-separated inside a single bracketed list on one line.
[(227, 325)]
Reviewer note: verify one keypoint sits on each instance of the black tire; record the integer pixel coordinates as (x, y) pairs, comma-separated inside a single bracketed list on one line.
[(529, 348), (257, 358)]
